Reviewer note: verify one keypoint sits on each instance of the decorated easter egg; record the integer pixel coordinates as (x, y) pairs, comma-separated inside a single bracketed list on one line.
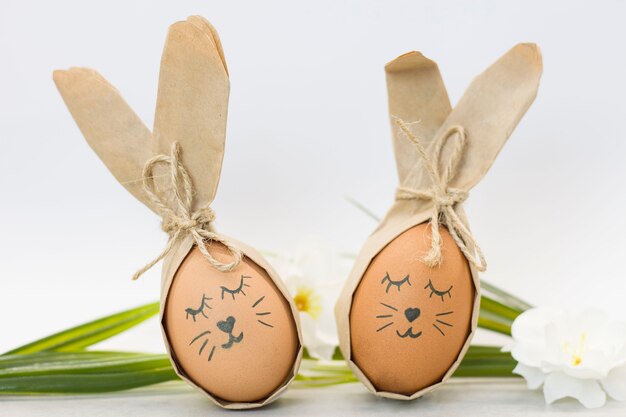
[(231, 333), (410, 322)]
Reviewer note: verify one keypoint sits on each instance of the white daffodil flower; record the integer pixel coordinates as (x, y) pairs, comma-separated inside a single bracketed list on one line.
[(314, 272), (581, 356)]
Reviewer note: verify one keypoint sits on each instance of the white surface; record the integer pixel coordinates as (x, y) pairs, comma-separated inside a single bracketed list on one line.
[(502, 398), (307, 126)]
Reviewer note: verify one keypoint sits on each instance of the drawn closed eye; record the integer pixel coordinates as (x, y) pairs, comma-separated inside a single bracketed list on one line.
[(391, 282), (437, 292), (193, 312), (238, 290)]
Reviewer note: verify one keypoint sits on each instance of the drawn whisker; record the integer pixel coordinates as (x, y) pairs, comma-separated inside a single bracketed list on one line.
[(444, 323), (384, 316), (437, 327), (211, 354), (391, 307), (385, 326), (265, 324), (199, 336), (444, 314), (203, 345), (257, 302), (265, 313)]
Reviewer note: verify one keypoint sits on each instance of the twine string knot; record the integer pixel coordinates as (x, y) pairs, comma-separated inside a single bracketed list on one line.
[(179, 221), (443, 197)]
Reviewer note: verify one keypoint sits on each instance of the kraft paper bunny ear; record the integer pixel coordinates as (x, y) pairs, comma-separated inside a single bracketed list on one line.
[(110, 126), (492, 107), (192, 105), (410, 306), (228, 322), (416, 94)]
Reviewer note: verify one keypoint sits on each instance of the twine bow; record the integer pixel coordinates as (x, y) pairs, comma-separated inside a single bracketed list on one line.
[(179, 221), (443, 197)]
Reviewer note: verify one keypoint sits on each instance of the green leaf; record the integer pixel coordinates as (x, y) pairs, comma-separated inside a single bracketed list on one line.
[(95, 382), (80, 337), (504, 297), (496, 307), (496, 316), (81, 372), (47, 357)]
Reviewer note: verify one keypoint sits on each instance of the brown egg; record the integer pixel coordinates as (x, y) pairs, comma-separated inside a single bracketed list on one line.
[(409, 322), (232, 333)]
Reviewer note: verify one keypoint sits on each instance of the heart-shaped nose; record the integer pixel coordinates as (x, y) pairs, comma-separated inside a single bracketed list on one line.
[(412, 313), (226, 325)]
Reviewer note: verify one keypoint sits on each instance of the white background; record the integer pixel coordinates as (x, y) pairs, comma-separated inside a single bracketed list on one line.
[(307, 126)]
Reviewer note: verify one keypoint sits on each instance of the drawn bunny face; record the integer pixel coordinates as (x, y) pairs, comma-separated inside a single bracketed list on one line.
[(412, 313)]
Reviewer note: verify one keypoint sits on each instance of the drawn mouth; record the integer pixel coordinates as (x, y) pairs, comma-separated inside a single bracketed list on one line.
[(409, 333)]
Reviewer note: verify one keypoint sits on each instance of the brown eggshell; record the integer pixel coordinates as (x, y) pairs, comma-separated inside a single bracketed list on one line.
[(435, 325), (253, 341)]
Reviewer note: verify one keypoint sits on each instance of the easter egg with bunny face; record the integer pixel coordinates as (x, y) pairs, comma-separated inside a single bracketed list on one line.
[(232, 333), (410, 305), (409, 322), (228, 322)]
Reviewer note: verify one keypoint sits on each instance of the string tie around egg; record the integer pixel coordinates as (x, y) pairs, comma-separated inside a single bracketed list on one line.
[(443, 197), (179, 221)]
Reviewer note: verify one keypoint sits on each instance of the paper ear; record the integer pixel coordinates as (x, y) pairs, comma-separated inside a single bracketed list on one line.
[(416, 94), (111, 128), (210, 30), (491, 108), (192, 103)]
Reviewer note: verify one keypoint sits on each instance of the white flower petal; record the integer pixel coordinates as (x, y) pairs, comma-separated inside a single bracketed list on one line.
[(530, 325), (615, 383), (590, 319), (528, 354), (558, 385), (318, 343), (594, 365), (534, 376), (316, 265), (322, 352), (307, 325)]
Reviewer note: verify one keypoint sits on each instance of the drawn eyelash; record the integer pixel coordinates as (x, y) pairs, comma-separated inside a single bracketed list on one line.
[(237, 290), (193, 312), (391, 282), (438, 293)]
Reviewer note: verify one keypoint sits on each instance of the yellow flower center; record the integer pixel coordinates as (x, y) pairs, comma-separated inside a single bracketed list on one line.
[(577, 353), (307, 301)]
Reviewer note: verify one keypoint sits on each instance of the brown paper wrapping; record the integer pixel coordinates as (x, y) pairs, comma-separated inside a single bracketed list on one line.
[(489, 111), (192, 106)]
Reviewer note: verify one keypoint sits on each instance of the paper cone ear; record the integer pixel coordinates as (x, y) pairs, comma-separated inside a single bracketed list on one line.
[(416, 94), (111, 128), (192, 103), (491, 108)]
